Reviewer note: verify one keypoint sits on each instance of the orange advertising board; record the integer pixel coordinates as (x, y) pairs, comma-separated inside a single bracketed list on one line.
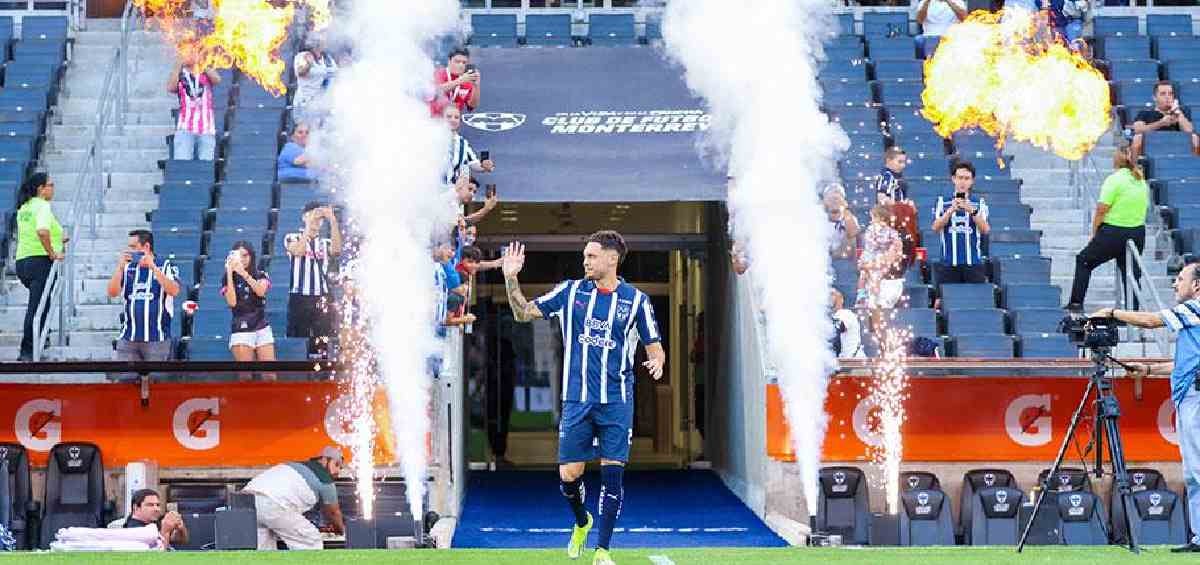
[(184, 425), (982, 419)]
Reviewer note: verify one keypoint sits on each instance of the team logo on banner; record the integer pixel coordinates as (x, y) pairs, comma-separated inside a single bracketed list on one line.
[(494, 121), (38, 424)]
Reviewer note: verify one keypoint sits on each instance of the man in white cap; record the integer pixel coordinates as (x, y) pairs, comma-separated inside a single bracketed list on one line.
[(283, 493)]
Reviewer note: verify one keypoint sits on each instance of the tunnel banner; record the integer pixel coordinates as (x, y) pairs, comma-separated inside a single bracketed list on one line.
[(184, 425), (983, 419)]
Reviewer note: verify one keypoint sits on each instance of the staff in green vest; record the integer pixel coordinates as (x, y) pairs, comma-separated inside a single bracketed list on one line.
[(39, 244)]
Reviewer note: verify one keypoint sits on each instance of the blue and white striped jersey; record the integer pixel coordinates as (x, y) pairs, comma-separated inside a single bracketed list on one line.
[(1184, 319), (601, 331), (148, 309), (961, 240)]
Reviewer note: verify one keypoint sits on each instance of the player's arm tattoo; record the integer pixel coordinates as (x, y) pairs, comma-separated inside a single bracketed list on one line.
[(523, 310)]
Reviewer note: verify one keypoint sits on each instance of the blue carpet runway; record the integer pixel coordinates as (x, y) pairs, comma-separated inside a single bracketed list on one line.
[(524, 509)]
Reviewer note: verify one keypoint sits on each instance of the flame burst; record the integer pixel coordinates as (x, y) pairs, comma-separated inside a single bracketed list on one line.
[(1010, 76), (246, 34)]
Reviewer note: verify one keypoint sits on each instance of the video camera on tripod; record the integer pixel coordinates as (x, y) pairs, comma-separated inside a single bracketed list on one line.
[(1093, 333)]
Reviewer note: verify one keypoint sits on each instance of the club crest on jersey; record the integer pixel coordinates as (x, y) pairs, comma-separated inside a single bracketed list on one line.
[(622, 312), (494, 121)]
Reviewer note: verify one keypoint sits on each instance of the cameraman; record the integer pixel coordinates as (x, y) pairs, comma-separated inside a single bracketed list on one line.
[(1120, 217), (1185, 386)]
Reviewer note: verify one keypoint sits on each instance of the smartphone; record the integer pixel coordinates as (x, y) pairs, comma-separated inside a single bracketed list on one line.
[(470, 68), (234, 255), (136, 257), (958, 195), (485, 155), (489, 190)]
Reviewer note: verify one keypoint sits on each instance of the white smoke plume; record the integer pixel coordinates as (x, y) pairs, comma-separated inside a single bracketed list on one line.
[(389, 154), (756, 67)]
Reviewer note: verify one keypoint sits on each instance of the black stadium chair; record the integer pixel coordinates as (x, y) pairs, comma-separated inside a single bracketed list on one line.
[(1068, 479), (843, 504), (995, 516), (919, 480), (74, 490), (1080, 518), (21, 509), (925, 518), (974, 482)]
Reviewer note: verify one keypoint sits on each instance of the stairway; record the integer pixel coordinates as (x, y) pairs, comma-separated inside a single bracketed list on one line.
[(131, 161), (1066, 229)]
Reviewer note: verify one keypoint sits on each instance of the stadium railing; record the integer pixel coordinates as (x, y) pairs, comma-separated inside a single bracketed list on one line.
[(1137, 293)]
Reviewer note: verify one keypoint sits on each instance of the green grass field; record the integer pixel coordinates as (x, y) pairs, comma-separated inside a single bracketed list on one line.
[(922, 556)]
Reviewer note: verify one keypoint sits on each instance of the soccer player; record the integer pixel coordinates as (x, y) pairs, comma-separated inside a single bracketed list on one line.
[(602, 319)]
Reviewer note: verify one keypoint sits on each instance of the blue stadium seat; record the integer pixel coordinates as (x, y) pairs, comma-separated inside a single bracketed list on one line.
[(1178, 193), (29, 75), (933, 245), (187, 278), (290, 348), (919, 296), (1014, 248), (16, 148), (21, 99), (845, 270), (899, 70), (891, 48), (844, 24), (293, 197), (1125, 47), (994, 346), (1136, 93), (494, 30), (221, 240), (838, 53), (854, 169), (264, 118), (1168, 49), (1188, 92), (841, 41), (857, 120), (973, 141), (251, 219), (885, 24), (177, 196), (931, 45), (653, 28), (1030, 295), (1169, 25), (1047, 346), (246, 147), (182, 244), (211, 321), (987, 167), (35, 49), (250, 96), (246, 169), (1184, 71), (846, 93), (1036, 320), (34, 57), (44, 27), (7, 27), (932, 168), (195, 172), (1134, 69), (548, 29), (906, 94), (920, 146), (164, 220), (1173, 168), (968, 296), (1006, 270), (923, 321), (971, 321), (1114, 25), (843, 70), (12, 170), (611, 29), (209, 349), (867, 143), (254, 196), (1185, 216), (1167, 144)]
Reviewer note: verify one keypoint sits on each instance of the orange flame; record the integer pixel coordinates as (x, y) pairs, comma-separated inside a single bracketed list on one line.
[(245, 34), (1009, 75)]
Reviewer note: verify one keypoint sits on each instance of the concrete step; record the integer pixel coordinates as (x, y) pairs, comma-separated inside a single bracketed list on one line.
[(89, 339), (82, 115), (143, 138), (116, 181), (72, 353), (84, 103)]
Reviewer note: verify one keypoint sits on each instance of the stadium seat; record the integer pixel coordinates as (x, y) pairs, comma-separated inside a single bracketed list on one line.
[(241, 169), (1046, 345), (653, 29), (1114, 25), (1135, 94), (1030, 295), (40, 49), (965, 296), (844, 270), (979, 320), (289, 348), (213, 320), (251, 96), (843, 504), (920, 145), (250, 195), (258, 117), (249, 218), (251, 145), (857, 120), (44, 27), (21, 99), (1167, 144), (29, 75), (1186, 71), (494, 30), (852, 70), (22, 510), (839, 93), (886, 24), (1116, 48), (1159, 517), (1176, 168), (181, 244), (919, 480), (891, 48), (74, 494), (994, 516), (1080, 519), (1178, 193), (899, 70), (907, 94), (984, 346), (918, 295), (188, 171), (843, 53), (930, 168), (175, 219), (548, 29), (611, 29), (178, 196), (1169, 25), (1036, 320), (209, 348), (1169, 49), (221, 240), (975, 481), (923, 321), (1134, 69), (1001, 248), (925, 519), (844, 24)]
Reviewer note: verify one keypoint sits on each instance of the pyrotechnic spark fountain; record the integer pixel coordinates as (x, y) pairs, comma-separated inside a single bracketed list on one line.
[(888, 392), (246, 34), (1007, 74)]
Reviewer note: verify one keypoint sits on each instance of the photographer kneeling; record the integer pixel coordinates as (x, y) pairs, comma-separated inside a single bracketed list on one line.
[(1184, 318)]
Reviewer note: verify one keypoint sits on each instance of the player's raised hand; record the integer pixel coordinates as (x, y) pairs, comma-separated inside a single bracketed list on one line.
[(655, 366), (513, 259)]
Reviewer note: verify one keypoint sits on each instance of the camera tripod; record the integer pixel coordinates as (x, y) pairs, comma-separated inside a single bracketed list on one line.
[(1105, 427)]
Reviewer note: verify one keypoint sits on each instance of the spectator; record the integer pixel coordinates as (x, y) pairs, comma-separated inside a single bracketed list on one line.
[(293, 163), (245, 291), (308, 296), (962, 224), (472, 262), (40, 242), (460, 152), (195, 130), (890, 186), (739, 256), (879, 286), (202, 13), (283, 493), (1120, 217), (1067, 18), (844, 240), (466, 187), (1166, 115), (315, 69), (146, 508), (148, 289), (848, 331), (457, 83), (935, 17)]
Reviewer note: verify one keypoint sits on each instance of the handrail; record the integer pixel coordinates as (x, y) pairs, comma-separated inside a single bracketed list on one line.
[(39, 329), (87, 202), (1135, 293)]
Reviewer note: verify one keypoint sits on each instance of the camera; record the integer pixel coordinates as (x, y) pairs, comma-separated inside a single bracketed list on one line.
[(1092, 333)]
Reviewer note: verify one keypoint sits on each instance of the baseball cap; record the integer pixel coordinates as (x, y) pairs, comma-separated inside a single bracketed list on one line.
[(332, 452)]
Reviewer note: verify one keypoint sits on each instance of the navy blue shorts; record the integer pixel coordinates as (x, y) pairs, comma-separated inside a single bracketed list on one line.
[(587, 431)]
